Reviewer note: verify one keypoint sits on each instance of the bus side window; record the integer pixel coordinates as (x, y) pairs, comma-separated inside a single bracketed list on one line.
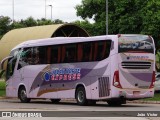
[(70, 53), (42, 55), (54, 54), (101, 50), (28, 57), (95, 51), (79, 53), (98, 51), (87, 52), (63, 54), (35, 56), (25, 57), (104, 49), (48, 55), (107, 49)]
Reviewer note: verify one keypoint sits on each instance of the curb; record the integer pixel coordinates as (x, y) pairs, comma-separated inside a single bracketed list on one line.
[(144, 102)]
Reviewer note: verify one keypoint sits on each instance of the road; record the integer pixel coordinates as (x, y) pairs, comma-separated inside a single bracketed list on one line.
[(67, 109)]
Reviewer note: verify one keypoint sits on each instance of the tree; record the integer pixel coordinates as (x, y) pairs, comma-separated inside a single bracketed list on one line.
[(4, 25), (93, 9), (29, 22), (125, 16), (58, 21), (44, 21), (86, 25)]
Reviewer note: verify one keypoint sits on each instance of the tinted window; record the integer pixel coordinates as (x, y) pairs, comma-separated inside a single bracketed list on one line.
[(10, 67), (76, 52), (101, 50), (136, 43), (87, 51), (69, 53), (55, 54)]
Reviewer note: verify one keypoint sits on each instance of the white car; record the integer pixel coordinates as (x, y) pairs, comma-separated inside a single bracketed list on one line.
[(157, 83)]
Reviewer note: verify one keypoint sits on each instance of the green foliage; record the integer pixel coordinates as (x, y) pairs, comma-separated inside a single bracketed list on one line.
[(44, 21), (2, 85), (94, 9), (87, 26), (155, 98), (125, 16), (6, 23), (2, 88), (58, 21)]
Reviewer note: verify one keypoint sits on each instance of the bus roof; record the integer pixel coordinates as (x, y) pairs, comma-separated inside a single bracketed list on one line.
[(61, 40)]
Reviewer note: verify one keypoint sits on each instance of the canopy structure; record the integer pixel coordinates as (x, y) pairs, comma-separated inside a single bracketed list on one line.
[(16, 36)]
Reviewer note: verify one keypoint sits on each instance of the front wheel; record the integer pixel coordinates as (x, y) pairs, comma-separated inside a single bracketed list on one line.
[(81, 96), (22, 94)]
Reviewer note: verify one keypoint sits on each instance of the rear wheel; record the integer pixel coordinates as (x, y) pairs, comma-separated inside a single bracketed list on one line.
[(55, 100), (81, 96), (22, 94)]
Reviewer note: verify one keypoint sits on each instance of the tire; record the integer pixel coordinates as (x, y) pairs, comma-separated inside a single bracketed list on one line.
[(81, 96), (55, 101), (23, 95)]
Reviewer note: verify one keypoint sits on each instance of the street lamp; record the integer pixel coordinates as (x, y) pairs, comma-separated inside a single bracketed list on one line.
[(51, 10), (13, 10), (106, 17)]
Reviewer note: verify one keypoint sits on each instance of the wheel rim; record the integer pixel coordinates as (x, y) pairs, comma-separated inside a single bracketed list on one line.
[(80, 96), (23, 95)]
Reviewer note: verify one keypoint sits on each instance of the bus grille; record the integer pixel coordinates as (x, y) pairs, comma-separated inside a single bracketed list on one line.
[(104, 89), (136, 65)]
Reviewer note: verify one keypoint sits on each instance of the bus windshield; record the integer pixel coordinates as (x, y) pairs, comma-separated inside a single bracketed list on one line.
[(135, 43)]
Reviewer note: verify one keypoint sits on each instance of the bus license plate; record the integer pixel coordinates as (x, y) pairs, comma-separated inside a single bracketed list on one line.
[(136, 92)]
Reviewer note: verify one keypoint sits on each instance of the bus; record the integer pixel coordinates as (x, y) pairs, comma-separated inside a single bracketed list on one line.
[(87, 69)]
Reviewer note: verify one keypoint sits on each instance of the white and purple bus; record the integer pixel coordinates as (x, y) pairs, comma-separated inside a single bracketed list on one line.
[(112, 68)]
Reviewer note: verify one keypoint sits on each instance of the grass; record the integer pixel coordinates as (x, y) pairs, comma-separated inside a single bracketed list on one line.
[(2, 85), (155, 98), (2, 93), (2, 88)]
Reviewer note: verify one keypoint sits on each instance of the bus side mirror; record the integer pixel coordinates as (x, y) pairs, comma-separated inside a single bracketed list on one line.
[(1, 73), (2, 65)]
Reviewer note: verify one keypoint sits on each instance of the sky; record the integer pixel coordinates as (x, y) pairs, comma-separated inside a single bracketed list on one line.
[(62, 9)]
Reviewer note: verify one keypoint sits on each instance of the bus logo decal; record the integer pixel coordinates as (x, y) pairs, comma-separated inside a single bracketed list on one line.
[(46, 76), (63, 74)]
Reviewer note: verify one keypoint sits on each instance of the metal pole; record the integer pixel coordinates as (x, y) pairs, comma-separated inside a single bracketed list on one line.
[(13, 11), (51, 11), (45, 10), (106, 17)]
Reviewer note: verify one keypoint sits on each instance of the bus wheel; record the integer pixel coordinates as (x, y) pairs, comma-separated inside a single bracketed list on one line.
[(55, 100), (81, 96), (114, 103), (23, 95)]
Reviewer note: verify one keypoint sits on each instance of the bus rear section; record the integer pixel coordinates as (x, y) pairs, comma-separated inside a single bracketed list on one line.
[(135, 76)]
